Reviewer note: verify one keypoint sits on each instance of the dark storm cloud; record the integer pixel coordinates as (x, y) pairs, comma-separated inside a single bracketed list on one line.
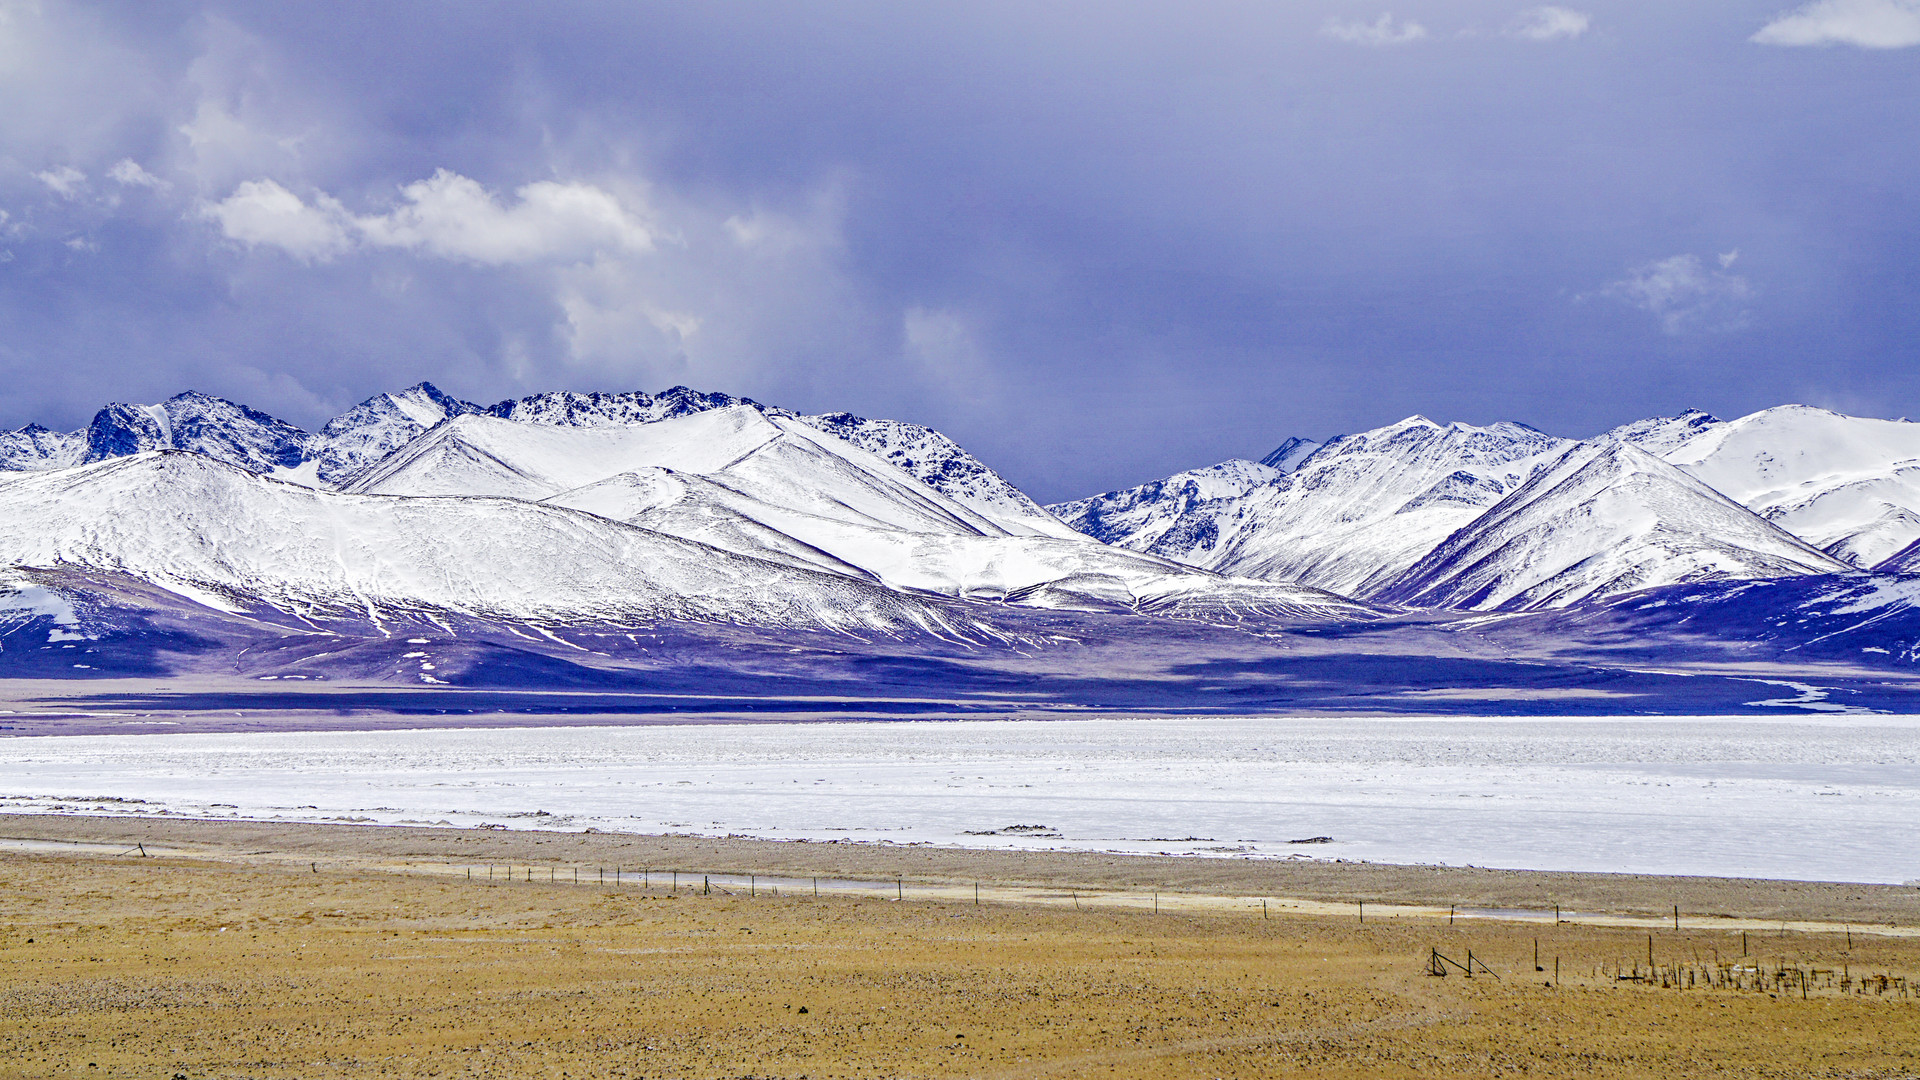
[(1095, 242)]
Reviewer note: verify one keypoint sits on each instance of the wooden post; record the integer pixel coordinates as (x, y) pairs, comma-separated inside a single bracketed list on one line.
[(816, 888), (706, 885), (1363, 911), (1449, 914), (1536, 955), (753, 885), (1676, 916), (900, 889), (1263, 910), (1649, 950)]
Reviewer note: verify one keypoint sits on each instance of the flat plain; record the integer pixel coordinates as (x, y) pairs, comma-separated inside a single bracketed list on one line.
[(251, 950)]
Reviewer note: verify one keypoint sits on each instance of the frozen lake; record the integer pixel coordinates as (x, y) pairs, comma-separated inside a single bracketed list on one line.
[(1834, 798)]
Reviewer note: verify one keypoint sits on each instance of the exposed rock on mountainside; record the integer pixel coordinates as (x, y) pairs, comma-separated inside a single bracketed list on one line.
[(34, 447), (196, 422)]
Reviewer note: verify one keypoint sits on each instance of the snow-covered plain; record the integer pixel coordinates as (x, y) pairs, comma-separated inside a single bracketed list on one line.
[(1818, 798)]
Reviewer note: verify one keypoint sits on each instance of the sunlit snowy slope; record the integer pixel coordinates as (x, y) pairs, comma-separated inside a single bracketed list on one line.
[(1350, 518), (575, 509), (1413, 513), (233, 541), (571, 507), (1605, 518), (776, 488), (1845, 484), (354, 441)]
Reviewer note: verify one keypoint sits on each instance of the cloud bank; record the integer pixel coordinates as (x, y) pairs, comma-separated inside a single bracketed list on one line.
[(1096, 242)]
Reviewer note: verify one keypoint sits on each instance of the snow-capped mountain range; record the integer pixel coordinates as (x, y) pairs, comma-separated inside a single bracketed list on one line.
[(570, 509), (1506, 517), (574, 509)]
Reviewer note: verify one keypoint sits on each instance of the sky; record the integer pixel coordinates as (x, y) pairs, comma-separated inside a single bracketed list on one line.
[(1095, 242)]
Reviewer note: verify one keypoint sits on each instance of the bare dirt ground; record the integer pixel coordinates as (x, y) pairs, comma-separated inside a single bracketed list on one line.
[(244, 950), (1306, 879)]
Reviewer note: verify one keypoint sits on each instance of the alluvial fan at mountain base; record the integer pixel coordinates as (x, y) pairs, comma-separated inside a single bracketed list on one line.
[(689, 550)]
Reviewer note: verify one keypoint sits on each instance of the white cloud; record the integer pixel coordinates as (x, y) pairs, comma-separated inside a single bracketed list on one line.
[(942, 346), (454, 217), (446, 215), (66, 181), (1687, 296), (128, 172), (611, 309), (1727, 258), (1384, 30), (262, 213), (1548, 24), (1870, 24)]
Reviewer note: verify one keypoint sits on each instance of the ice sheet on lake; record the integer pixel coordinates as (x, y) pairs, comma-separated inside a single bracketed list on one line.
[(1831, 798)]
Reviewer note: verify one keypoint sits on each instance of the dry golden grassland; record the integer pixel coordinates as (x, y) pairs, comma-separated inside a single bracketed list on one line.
[(222, 965)]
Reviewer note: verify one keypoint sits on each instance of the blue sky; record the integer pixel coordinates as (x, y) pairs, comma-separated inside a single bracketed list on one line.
[(1096, 242)]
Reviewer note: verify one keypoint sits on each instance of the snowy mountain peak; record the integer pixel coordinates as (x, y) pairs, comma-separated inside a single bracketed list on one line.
[(1662, 434), (216, 427), (569, 408), (1849, 485), (1140, 517), (1288, 455), (1606, 517), (352, 442), (942, 464), (1350, 516), (426, 404), (34, 447)]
